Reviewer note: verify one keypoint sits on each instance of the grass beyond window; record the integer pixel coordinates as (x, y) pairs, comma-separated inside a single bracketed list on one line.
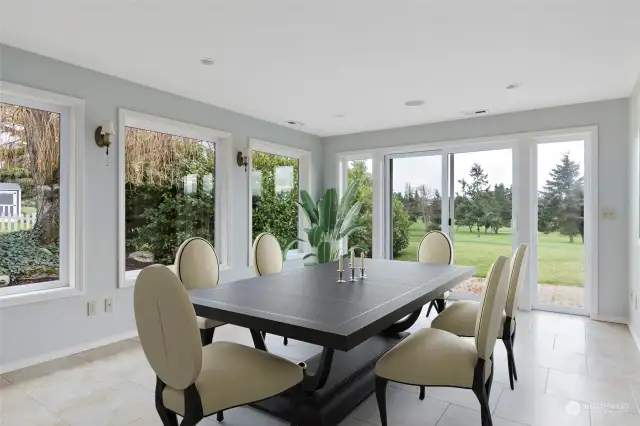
[(559, 261)]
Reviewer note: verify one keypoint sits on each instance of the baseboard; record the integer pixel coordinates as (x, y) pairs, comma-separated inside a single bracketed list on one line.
[(635, 336), (28, 362), (605, 318)]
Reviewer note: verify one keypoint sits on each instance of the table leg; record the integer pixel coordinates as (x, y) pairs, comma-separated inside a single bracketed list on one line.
[(318, 379), (405, 324), (258, 340)]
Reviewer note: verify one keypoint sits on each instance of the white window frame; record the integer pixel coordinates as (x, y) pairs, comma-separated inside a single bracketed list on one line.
[(223, 201), (72, 128), (523, 145), (304, 182)]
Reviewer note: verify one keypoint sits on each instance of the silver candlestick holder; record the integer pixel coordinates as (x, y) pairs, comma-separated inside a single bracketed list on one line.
[(363, 274), (340, 280), (353, 278)]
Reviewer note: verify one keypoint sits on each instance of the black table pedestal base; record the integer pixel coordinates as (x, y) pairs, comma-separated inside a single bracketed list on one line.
[(350, 382)]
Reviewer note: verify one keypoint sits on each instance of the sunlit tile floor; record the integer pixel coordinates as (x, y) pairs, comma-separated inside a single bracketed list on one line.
[(572, 371)]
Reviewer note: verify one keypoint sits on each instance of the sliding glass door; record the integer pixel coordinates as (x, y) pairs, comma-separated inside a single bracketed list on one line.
[(415, 201), (558, 270), (482, 211)]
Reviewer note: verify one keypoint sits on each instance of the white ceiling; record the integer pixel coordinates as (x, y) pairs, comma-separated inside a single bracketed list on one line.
[(310, 60)]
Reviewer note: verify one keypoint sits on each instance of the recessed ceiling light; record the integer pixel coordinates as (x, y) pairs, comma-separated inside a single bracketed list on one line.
[(207, 61), (294, 123), (513, 86), (414, 103), (339, 116)]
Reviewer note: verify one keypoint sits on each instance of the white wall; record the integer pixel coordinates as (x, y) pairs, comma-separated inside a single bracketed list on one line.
[(611, 117), (31, 331), (634, 210)]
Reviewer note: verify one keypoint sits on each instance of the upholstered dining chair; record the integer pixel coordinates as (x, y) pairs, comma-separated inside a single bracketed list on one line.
[(459, 318), (267, 259), (195, 381), (197, 266), (432, 357), (436, 247)]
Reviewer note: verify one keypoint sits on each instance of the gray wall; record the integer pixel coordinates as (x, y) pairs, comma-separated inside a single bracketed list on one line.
[(31, 331), (612, 118)]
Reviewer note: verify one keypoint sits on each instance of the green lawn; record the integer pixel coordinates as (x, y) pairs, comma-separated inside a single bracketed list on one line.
[(560, 262)]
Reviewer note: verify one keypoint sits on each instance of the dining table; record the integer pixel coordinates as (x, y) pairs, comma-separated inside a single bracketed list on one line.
[(353, 321)]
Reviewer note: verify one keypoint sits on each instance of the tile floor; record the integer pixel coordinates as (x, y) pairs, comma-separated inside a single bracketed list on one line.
[(573, 372)]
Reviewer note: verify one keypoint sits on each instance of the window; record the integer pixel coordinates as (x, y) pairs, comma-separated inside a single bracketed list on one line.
[(278, 174), (37, 190), (171, 179), (362, 171)]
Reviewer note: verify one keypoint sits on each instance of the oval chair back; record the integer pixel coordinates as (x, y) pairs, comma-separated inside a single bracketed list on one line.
[(167, 327), (267, 255), (435, 247), (519, 263), (197, 264), (494, 297)]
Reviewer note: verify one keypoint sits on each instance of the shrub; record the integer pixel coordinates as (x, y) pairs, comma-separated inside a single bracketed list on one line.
[(22, 258)]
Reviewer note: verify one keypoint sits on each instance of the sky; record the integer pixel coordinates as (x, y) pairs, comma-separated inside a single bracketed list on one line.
[(497, 164)]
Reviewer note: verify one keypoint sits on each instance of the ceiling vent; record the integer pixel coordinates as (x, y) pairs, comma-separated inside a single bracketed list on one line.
[(476, 112), (294, 123)]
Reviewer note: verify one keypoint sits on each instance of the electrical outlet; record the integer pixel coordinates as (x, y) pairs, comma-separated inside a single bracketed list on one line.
[(92, 308), (108, 304)]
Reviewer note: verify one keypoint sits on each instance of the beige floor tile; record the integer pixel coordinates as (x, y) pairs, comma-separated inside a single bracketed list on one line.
[(591, 390), (462, 397), (18, 409), (535, 408), (113, 407), (403, 409), (44, 370), (352, 421), (114, 349), (461, 416)]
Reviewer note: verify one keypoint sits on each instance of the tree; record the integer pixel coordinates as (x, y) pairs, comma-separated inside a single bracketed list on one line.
[(561, 201), (477, 194)]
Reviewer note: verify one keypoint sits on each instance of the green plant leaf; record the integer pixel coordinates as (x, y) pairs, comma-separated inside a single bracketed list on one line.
[(350, 218), (308, 255), (329, 210), (315, 235), (325, 252), (360, 247), (309, 207), (353, 228), (347, 199)]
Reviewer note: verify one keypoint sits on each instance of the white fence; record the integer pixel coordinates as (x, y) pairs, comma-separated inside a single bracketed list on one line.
[(16, 223)]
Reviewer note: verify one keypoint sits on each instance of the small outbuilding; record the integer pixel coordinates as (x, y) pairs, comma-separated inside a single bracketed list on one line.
[(10, 199)]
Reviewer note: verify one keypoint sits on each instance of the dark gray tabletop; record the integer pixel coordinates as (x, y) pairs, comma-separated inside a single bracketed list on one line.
[(309, 305)]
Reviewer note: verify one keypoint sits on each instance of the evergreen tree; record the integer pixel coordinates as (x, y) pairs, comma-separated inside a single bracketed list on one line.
[(561, 201)]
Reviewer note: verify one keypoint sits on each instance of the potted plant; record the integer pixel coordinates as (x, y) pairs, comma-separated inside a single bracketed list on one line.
[(331, 220)]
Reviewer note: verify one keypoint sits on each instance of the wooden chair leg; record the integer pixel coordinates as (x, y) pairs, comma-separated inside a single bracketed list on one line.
[(206, 336), (168, 418), (298, 396), (485, 412), (510, 361), (381, 396), (220, 416), (422, 388), (513, 341), (431, 305)]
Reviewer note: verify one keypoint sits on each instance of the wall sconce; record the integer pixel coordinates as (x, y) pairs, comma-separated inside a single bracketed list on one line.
[(103, 135), (243, 160)]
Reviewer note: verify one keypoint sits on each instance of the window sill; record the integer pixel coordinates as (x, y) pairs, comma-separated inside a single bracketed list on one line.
[(39, 296), (298, 255), (131, 276)]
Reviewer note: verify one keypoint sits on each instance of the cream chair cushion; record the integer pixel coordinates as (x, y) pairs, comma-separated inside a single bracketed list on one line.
[(460, 319), (166, 323), (435, 247), (197, 264), (491, 313), (431, 357), (233, 375), (267, 255)]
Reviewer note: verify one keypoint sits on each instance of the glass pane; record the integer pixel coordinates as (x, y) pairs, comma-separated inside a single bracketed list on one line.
[(29, 195), (482, 212), (561, 224), (417, 202), (274, 189), (169, 195), (361, 170)]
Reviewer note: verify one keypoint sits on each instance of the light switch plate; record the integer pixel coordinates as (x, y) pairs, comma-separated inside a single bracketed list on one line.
[(92, 308), (108, 304)]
